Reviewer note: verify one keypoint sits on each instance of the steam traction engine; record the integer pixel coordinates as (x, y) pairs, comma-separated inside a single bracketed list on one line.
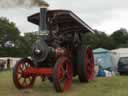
[(58, 54)]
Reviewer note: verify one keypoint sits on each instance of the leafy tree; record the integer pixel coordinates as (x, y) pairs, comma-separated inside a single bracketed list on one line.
[(99, 39), (9, 33), (25, 43), (120, 38)]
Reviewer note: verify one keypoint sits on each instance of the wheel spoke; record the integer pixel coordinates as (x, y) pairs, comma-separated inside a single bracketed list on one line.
[(19, 78), (67, 75), (21, 68), (25, 64), (19, 72), (61, 72), (62, 68), (61, 76)]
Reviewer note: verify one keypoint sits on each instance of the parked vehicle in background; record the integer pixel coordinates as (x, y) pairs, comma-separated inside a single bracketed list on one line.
[(123, 66)]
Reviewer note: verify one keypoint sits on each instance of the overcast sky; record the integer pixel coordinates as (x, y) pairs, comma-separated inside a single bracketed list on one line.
[(103, 15)]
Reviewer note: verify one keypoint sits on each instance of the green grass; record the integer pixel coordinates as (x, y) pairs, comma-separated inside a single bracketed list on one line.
[(111, 86)]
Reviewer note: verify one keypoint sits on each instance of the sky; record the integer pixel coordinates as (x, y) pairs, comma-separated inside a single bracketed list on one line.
[(103, 15)]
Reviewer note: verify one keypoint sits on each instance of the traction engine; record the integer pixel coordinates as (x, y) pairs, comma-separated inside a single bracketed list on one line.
[(58, 54)]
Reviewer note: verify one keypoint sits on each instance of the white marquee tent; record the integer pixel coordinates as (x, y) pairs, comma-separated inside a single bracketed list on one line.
[(117, 54)]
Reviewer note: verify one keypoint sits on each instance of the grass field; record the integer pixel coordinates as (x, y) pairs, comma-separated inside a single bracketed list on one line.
[(111, 86)]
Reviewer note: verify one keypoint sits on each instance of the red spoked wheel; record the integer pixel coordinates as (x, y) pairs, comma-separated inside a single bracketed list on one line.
[(85, 64), (62, 75), (20, 80), (89, 64)]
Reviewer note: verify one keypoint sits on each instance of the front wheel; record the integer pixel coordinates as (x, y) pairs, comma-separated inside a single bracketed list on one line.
[(19, 79), (62, 74)]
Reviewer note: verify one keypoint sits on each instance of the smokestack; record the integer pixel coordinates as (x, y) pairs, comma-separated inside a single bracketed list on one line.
[(43, 21)]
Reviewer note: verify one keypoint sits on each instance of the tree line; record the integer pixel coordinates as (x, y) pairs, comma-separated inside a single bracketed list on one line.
[(11, 42), (117, 39), (15, 45)]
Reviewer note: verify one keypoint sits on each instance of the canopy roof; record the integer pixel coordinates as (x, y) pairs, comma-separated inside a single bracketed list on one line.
[(67, 21), (100, 50), (120, 50)]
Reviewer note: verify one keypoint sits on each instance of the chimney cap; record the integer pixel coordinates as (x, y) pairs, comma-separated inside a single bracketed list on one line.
[(43, 4)]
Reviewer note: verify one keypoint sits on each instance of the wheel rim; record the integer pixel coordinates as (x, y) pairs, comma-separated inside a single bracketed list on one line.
[(64, 75), (89, 64), (22, 81)]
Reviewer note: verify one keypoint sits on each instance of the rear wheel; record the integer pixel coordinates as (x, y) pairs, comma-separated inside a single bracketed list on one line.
[(19, 79), (62, 75), (85, 64)]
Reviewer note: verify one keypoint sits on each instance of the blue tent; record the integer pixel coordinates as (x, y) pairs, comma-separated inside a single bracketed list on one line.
[(103, 58)]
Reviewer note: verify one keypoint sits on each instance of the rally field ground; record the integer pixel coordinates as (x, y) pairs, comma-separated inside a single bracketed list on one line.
[(111, 86)]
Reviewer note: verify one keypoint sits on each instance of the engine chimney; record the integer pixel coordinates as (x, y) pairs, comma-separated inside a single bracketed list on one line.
[(43, 22)]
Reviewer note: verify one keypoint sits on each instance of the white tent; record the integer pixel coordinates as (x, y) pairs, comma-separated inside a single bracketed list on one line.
[(117, 54), (13, 61)]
